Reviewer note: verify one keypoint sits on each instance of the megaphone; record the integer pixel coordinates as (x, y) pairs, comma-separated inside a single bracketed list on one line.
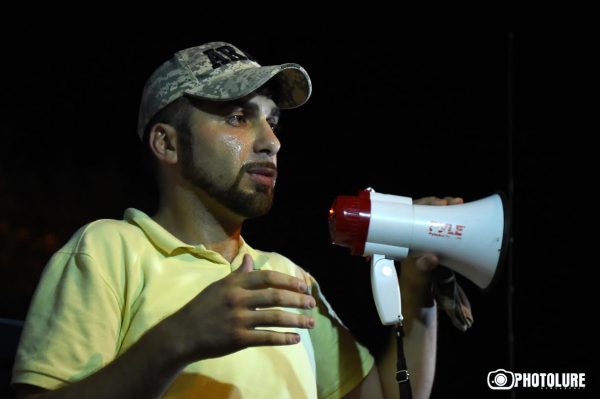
[(468, 238)]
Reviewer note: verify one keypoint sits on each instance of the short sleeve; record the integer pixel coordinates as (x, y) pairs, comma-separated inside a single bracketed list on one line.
[(341, 362), (72, 326)]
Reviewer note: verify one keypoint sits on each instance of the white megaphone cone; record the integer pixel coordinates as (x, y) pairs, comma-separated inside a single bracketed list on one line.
[(468, 238)]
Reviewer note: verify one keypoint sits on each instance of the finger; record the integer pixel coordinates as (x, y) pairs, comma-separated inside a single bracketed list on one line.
[(267, 338), (431, 201), (266, 298), (272, 279), (279, 318), (454, 200)]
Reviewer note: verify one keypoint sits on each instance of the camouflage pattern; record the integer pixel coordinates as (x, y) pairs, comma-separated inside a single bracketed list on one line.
[(219, 71)]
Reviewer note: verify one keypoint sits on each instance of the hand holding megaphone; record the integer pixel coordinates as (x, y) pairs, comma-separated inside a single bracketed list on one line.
[(468, 238)]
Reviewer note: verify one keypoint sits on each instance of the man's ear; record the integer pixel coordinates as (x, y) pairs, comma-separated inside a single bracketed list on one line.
[(163, 143)]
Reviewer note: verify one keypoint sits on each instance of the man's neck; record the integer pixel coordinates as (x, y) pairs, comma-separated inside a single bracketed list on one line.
[(195, 222)]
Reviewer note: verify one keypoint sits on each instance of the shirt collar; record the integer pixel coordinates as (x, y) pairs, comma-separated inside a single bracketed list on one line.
[(171, 245)]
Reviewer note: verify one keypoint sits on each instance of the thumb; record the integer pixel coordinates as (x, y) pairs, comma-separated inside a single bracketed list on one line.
[(247, 264)]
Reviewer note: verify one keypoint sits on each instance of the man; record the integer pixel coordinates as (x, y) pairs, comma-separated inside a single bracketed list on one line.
[(177, 304)]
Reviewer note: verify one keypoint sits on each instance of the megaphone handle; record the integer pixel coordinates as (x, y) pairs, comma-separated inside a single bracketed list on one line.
[(386, 290)]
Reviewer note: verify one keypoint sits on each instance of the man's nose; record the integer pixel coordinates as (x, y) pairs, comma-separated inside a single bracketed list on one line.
[(266, 139)]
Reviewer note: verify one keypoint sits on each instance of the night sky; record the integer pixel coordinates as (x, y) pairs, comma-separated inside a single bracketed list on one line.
[(407, 114)]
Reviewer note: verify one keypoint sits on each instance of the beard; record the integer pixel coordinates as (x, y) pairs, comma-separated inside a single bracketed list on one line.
[(247, 204)]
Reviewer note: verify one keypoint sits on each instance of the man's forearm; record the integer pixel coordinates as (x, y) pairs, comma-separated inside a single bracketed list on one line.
[(420, 327), (420, 345), (144, 371)]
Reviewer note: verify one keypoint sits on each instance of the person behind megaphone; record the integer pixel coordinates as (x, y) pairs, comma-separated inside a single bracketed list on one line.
[(177, 304)]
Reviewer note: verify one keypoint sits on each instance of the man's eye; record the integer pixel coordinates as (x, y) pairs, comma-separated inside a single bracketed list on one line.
[(236, 120), (274, 125)]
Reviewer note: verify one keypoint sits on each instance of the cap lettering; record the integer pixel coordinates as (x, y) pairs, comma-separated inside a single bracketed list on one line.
[(224, 55), (231, 53), (216, 59)]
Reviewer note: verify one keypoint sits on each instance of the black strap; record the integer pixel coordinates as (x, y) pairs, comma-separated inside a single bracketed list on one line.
[(402, 375)]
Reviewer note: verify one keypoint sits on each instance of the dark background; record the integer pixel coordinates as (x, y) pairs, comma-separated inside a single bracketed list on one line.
[(406, 113)]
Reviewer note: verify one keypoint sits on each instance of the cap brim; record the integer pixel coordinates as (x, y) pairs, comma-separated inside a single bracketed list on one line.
[(291, 84)]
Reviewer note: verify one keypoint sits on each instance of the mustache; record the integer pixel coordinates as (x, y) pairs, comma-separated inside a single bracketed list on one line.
[(259, 165)]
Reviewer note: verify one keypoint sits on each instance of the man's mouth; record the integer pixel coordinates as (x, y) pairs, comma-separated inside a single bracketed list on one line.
[(263, 174)]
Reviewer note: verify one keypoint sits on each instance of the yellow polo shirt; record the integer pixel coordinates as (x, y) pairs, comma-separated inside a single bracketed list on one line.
[(114, 280)]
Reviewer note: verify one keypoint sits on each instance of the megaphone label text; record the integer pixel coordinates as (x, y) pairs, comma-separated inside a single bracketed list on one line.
[(448, 230)]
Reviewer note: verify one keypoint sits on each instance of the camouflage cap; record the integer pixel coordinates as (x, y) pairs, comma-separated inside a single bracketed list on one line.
[(219, 71)]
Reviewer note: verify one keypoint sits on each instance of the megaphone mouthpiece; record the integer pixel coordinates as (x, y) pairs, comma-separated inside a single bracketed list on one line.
[(349, 221)]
